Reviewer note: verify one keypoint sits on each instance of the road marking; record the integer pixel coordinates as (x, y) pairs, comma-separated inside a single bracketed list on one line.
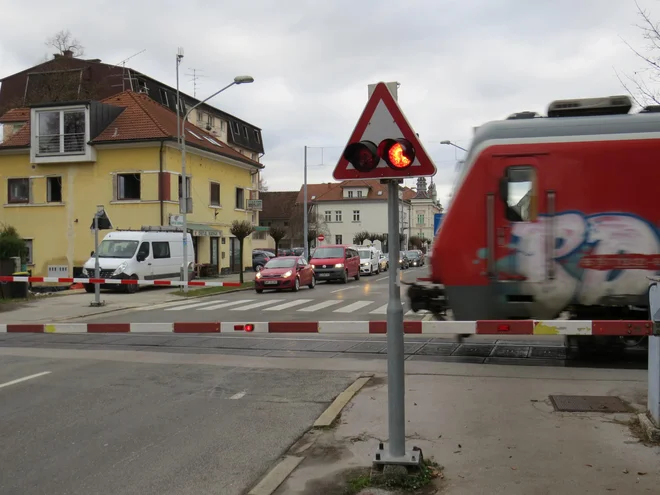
[(226, 305), (353, 307), (347, 288), (239, 395), (190, 306), (379, 311), (255, 305), (319, 306), (25, 378), (290, 304)]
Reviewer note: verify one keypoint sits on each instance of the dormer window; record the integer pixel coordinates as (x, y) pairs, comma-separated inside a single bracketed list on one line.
[(61, 134), (61, 131)]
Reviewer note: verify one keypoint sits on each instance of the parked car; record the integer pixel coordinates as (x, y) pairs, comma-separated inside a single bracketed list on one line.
[(259, 260), (336, 262), (285, 272)]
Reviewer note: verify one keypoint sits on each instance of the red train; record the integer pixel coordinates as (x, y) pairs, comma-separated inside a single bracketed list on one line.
[(550, 215)]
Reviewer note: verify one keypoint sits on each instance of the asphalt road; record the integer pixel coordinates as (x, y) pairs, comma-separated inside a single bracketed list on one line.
[(106, 427), (365, 299)]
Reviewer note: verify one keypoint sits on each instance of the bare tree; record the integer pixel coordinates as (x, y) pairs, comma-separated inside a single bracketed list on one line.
[(360, 237), (263, 185), (241, 230), (64, 41), (315, 224), (277, 233), (642, 84)]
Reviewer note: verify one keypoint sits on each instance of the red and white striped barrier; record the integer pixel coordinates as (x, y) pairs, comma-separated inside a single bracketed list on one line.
[(610, 328), (117, 281)]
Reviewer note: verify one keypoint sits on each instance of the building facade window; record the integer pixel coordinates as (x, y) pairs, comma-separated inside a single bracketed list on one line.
[(54, 189), (128, 187), (215, 194), (338, 239), (350, 194), (18, 191), (61, 131), (240, 198), (338, 216), (29, 257), (189, 195), (420, 219), (356, 215), (359, 194), (328, 216)]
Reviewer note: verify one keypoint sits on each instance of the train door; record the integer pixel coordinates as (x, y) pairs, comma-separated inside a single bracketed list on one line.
[(518, 236)]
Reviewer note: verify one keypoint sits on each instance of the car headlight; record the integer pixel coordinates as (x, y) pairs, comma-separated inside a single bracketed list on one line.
[(120, 268), (258, 275), (339, 265), (287, 274)]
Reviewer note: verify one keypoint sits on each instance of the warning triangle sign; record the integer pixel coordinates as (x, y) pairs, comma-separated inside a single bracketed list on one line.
[(381, 119)]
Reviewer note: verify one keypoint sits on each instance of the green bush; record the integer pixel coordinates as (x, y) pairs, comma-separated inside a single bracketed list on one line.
[(11, 244)]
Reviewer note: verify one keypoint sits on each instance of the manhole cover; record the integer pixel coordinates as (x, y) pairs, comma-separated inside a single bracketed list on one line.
[(588, 403)]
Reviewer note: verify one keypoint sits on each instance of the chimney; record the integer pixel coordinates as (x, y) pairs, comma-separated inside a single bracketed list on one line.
[(67, 54)]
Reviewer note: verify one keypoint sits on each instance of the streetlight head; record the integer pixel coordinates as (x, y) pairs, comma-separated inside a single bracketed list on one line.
[(445, 142), (243, 79)]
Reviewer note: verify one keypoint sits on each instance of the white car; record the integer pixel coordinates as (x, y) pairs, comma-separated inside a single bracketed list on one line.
[(369, 261)]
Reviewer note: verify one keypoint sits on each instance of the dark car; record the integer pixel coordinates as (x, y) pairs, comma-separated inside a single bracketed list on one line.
[(414, 258), (259, 260)]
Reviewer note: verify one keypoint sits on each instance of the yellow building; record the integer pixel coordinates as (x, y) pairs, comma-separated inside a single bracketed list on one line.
[(58, 162)]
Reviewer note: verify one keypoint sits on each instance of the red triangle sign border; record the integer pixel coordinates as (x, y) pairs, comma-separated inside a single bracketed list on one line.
[(426, 166)]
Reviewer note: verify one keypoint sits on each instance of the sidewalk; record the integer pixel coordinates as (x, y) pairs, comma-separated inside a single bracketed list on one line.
[(65, 305), (494, 435)]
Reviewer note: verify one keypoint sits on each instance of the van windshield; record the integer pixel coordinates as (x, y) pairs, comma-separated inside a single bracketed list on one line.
[(112, 248), (365, 255), (324, 253)]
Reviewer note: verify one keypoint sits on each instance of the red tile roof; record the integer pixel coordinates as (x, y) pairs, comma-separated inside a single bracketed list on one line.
[(143, 119), (334, 191), (16, 115)]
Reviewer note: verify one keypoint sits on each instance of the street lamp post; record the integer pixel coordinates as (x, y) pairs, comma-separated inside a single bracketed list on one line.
[(449, 143), (184, 200)]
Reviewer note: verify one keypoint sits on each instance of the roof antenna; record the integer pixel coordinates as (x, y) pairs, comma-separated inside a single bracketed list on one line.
[(124, 70)]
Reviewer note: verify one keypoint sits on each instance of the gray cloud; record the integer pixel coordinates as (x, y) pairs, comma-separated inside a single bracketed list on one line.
[(460, 63)]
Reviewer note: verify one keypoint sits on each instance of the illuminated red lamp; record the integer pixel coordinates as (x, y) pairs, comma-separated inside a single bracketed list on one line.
[(248, 327), (397, 153), (502, 327)]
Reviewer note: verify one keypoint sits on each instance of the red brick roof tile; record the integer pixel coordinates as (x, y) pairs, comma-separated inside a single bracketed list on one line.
[(143, 119), (15, 115), (334, 191)]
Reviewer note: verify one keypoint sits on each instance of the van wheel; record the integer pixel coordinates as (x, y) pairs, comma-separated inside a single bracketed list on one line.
[(344, 278), (259, 291), (378, 270), (132, 288), (357, 275), (89, 288)]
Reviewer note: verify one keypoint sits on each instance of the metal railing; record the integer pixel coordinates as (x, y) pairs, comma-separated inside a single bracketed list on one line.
[(61, 143)]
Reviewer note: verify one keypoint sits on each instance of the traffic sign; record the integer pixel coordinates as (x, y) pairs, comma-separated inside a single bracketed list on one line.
[(321, 238), (383, 144)]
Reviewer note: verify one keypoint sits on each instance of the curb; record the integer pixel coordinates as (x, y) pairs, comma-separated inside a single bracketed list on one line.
[(294, 456), (650, 430)]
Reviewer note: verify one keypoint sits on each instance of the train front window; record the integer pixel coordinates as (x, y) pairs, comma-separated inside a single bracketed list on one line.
[(521, 198)]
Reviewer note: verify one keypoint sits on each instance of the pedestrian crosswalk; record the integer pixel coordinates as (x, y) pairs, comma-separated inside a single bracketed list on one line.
[(339, 306)]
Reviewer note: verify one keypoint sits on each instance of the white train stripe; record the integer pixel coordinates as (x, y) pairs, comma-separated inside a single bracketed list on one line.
[(225, 305), (190, 306), (290, 304), (317, 307), (254, 306), (353, 307)]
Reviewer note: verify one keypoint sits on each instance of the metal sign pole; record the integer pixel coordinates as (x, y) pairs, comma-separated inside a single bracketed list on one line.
[(97, 267), (305, 226), (395, 356), (654, 354)]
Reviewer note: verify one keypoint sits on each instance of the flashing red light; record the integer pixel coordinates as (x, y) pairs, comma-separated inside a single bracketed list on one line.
[(363, 156), (249, 327), (503, 328), (397, 153)]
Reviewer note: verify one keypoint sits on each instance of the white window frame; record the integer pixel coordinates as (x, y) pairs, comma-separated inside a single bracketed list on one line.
[(236, 198), (87, 155), (338, 216), (339, 239), (211, 184), (356, 215), (327, 215), (48, 191), (29, 259)]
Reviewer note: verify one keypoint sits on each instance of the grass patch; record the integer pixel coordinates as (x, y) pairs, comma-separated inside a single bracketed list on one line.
[(209, 291), (414, 482)]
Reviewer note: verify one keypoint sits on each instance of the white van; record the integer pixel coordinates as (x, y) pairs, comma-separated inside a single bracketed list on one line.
[(369, 260), (140, 254)]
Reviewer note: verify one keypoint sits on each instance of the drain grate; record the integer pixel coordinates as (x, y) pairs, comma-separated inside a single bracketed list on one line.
[(588, 403)]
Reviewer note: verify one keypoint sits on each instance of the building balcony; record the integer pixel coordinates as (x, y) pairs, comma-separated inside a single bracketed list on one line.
[(61, 135)]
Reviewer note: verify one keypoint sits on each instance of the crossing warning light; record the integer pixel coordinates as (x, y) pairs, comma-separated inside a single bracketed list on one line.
[(365, 155)]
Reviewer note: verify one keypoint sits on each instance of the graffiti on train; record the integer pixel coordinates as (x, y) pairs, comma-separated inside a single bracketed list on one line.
[(594, 256)]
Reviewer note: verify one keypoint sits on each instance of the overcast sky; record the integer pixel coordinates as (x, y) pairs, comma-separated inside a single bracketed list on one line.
[(460, 63)]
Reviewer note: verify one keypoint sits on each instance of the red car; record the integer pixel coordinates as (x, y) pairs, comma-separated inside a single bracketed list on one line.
[(285, 272)]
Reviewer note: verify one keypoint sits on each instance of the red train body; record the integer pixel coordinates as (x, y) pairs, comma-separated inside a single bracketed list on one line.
[(552, 214)]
